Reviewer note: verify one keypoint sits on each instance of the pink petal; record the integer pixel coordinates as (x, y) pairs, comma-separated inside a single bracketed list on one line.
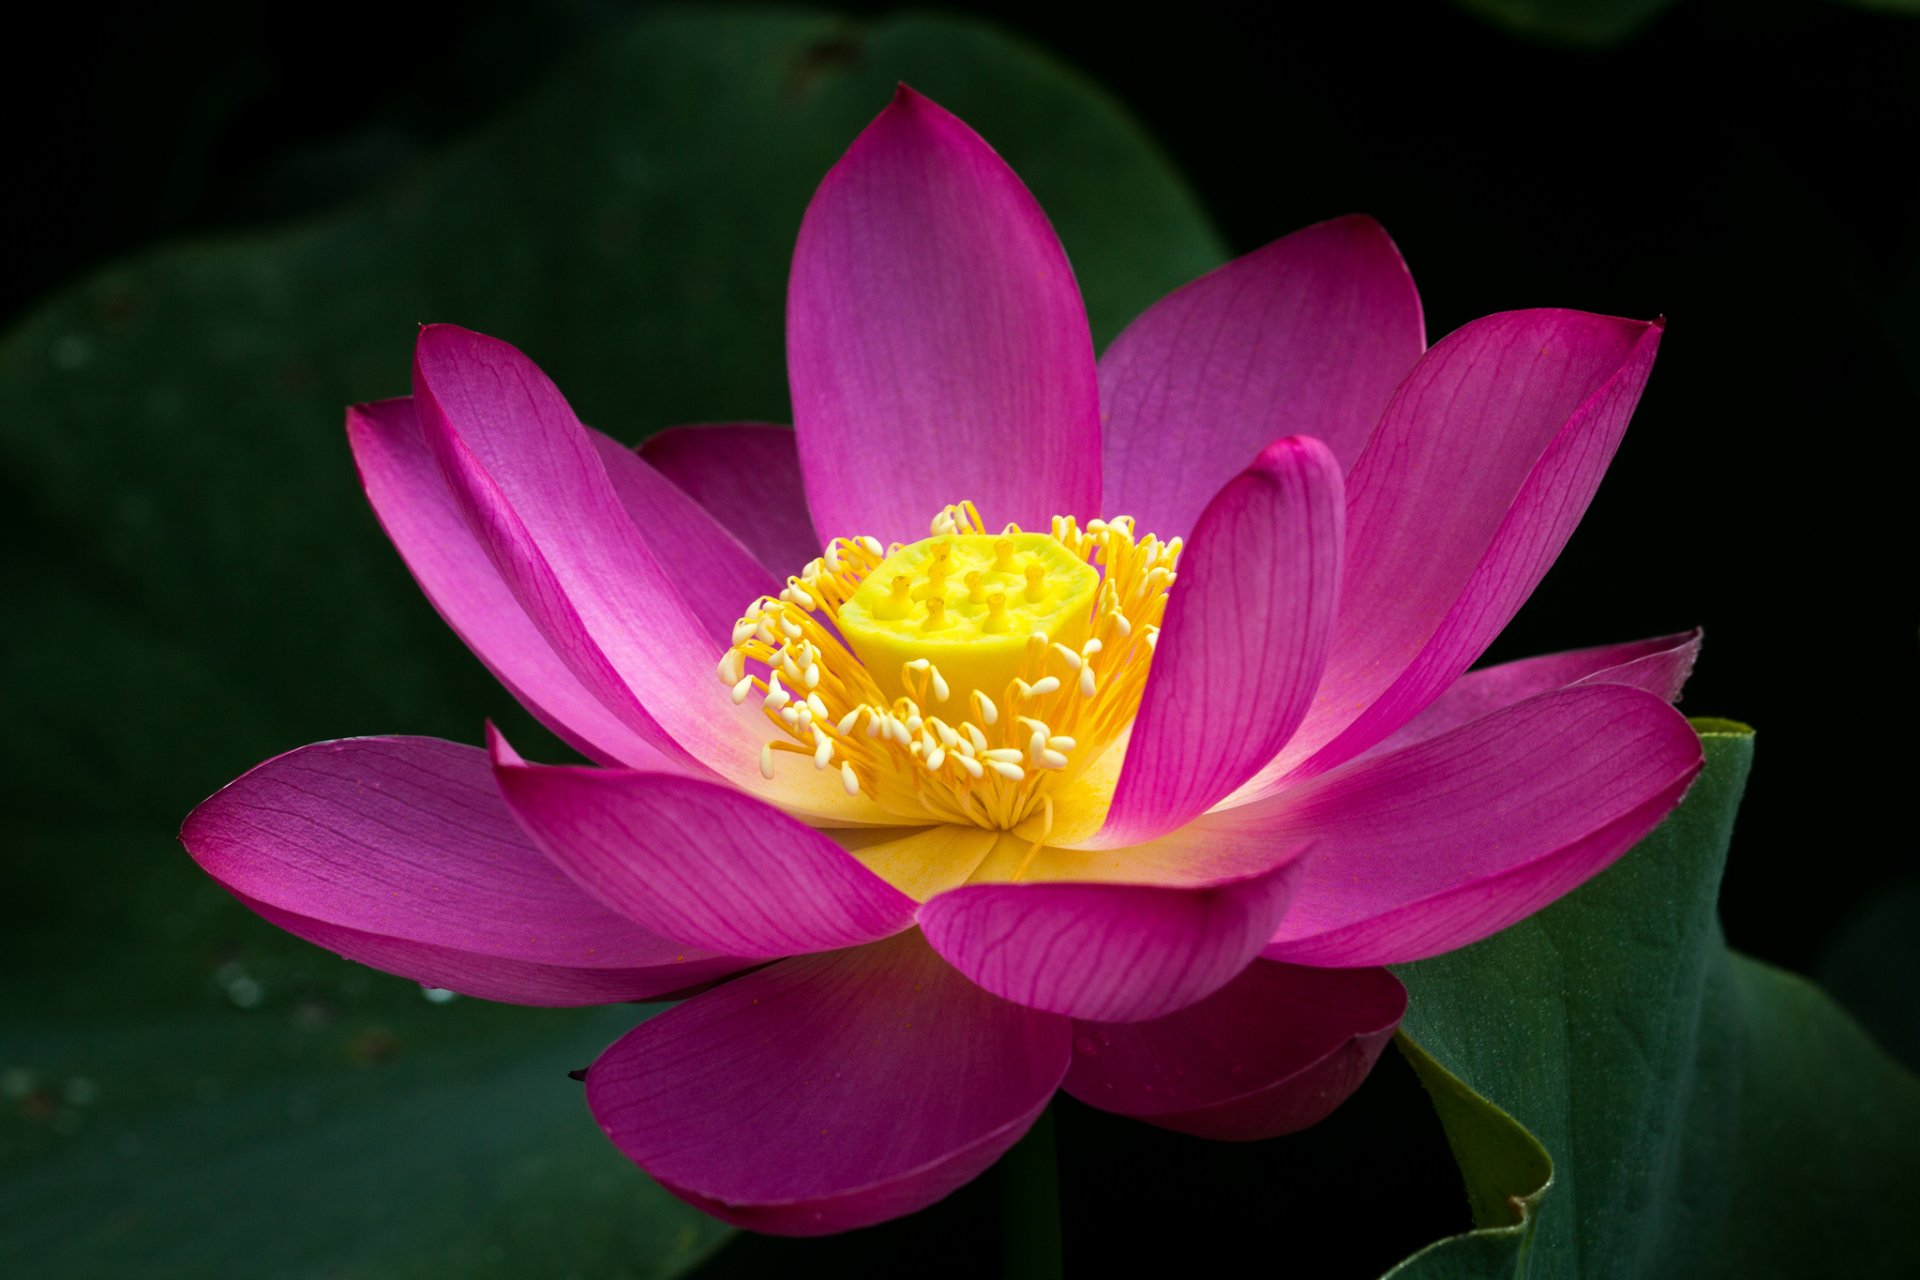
[(698, 861), (829, 1091), (936, 342), (1244, 643), (747, 475), (1306, 337), (486, 977), (533, 488), (1452, 839), (707, 565), (1482, 466), (398, 853), (1660, 666), (411, 498), (1105, 951), (1272, 1052)]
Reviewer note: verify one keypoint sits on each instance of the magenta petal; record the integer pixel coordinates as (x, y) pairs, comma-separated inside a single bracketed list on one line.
[(411, 498), (533, 488), (1307, 336), (1480, 469), (1244, 643), (936, 342), (1452, 839), (1108, 952), (830, 1091), (748, 476), (707, 565), (398, 853), (698, 861), (1272, 1052), (1660, 666)]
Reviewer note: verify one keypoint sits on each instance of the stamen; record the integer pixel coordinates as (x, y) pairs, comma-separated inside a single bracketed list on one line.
[(889, 632)]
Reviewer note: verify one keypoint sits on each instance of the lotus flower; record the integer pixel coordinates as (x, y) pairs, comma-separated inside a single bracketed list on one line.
[(993, 796)]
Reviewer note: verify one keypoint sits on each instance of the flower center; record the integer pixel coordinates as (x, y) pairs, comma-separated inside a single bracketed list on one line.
[(965, 678)]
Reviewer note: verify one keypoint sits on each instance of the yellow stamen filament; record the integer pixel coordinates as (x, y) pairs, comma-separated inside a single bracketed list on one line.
[(1037, 711)]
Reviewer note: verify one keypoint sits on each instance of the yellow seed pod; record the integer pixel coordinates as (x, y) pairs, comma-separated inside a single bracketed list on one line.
[(992, 593)]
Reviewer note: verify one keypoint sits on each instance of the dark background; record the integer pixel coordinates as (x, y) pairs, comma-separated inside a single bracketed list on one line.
[(1745, 169)]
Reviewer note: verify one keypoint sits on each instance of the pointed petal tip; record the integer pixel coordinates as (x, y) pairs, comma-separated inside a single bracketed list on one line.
[(1360, 224), (930, 299), (500, 752), (311, 841), (907, 99)]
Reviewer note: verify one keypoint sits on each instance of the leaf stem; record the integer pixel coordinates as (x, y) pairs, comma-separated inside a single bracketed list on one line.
[(1030, 1205)]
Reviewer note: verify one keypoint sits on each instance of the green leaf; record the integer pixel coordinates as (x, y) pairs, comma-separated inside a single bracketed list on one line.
[(383, 1145), (1569, 22), (1902, 8), (1706, 1115), (183, 1090), (1508, 1175)]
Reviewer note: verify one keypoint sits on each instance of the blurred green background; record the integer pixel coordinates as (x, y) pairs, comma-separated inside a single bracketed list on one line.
[(225, 224)]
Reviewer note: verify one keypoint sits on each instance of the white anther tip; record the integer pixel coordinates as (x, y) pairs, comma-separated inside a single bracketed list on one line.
[(741, 690), (849, 779), (766, 761)]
